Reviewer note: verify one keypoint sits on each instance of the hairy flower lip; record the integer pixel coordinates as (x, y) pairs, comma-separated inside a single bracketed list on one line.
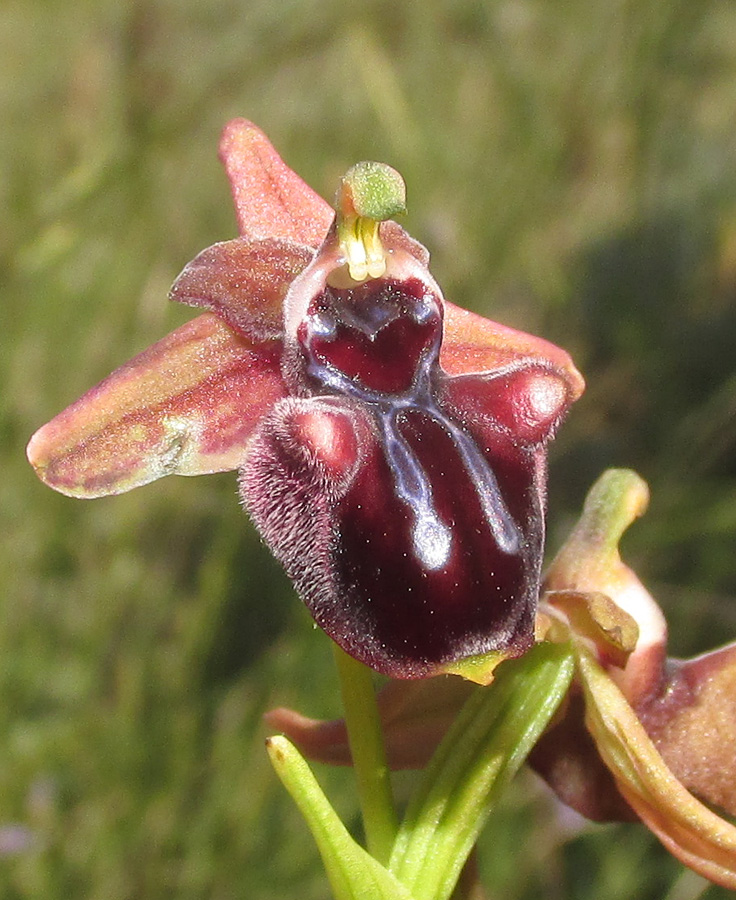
[(541, 405)]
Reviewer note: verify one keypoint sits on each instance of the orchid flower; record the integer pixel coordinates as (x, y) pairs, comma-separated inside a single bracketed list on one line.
[(642, 735), (390, 445)]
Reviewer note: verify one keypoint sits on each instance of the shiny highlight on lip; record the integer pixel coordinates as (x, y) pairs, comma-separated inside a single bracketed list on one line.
[(341, 329)]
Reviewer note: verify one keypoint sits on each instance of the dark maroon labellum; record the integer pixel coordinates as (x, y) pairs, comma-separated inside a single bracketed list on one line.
[(413, 534), (379, 344)]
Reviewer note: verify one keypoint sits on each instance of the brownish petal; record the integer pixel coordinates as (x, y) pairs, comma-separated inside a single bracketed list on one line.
[(693, 723), (473, 344), (689, 830), (271, 200), (185, 406), (594, 617), (244, 282)]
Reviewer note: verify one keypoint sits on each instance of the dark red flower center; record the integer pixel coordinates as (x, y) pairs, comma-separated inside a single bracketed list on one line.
[(379, 344), (382, 336)]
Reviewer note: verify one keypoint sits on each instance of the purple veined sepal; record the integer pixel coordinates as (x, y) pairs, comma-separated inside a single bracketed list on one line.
[(405, 504)]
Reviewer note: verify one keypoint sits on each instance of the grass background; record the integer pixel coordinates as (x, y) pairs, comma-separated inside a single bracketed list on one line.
[(572, 167)]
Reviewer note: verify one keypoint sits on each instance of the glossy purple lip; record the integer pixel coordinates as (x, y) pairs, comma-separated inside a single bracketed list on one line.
[(417, 540)]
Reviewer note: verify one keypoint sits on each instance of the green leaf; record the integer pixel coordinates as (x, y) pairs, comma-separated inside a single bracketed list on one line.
[(352, 872), (488, 742)]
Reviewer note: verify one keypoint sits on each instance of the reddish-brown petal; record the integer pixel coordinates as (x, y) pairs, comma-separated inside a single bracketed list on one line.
[(184, 406), (692, 720), (473, 344), (244, 282), (271, 200), (689, 830)]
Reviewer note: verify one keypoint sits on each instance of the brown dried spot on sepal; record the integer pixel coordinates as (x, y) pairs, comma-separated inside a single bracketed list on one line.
[(186, 405)]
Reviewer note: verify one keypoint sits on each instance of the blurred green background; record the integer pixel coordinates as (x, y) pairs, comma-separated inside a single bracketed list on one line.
[(571, 164)]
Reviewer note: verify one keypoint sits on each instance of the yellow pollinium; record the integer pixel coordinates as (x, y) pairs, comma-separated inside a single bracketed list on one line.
[(361, 245), (369, 193)]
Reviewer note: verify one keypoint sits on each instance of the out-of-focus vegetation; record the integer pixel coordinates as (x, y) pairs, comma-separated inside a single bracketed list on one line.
[(572, 167)]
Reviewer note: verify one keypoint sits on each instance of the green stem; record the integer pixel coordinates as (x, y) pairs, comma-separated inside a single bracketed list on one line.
[(369, 755), (469, 886), (491, 737)]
